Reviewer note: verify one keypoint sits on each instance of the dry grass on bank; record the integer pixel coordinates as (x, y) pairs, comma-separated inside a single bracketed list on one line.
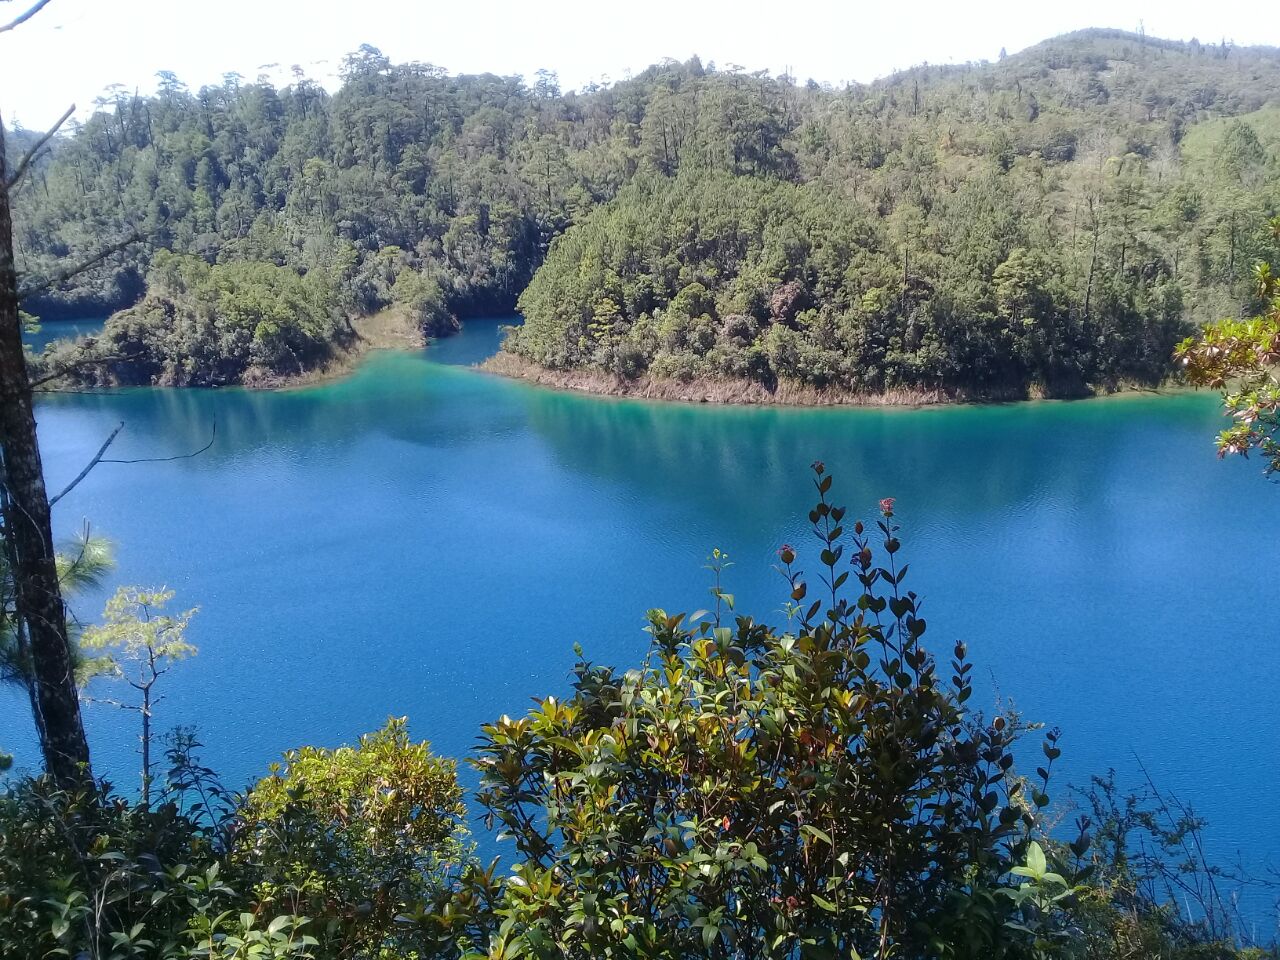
[(717, 391), (390, 329)]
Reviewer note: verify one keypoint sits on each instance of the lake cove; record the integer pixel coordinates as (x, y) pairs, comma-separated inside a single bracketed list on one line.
[(51, 330)]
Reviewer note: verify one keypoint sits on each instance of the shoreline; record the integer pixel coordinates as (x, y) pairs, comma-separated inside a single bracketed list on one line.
[(745, 393), (392, 330), (389, 329)]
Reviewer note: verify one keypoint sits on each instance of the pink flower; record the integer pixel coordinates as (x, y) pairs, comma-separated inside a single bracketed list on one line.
[(886, 506)]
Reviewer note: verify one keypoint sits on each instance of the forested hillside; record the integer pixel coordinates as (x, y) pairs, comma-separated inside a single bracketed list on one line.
[(1053, 220)]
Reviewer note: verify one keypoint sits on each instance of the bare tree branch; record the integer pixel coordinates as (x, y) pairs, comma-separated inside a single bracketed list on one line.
[(23, 18), (100, 458), (66, 368), (97, 392), (97, 458), (30, 155), (83, 265), (182, 456)]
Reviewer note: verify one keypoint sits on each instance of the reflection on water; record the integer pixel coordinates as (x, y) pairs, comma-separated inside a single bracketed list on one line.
[(424, 539)]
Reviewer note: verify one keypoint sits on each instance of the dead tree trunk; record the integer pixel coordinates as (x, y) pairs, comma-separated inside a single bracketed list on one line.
[(29, 531)]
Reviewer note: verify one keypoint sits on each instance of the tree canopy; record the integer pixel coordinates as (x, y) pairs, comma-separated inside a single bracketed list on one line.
[(1046, 220)]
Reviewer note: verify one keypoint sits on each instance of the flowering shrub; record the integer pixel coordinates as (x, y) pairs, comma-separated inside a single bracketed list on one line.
[(817, 789)]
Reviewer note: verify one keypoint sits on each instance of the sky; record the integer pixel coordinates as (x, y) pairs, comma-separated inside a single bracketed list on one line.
[(73, 49)]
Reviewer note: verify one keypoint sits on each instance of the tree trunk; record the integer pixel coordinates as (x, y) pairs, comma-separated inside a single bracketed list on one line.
[(30, 535), (146, 746), (19, 628), (1093, 262)]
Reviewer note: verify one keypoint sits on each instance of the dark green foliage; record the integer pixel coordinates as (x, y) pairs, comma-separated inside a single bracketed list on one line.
[(353, 837), (986, 230), (1126, 170), (402, 157), (719, 277), (89, 874), (204, 325)]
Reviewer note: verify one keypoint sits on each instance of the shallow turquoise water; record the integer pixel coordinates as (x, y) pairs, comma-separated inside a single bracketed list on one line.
[(423, 539)]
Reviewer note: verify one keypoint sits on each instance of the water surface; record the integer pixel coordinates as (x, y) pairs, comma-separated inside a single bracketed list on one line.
[(51, 330), (429, 541)]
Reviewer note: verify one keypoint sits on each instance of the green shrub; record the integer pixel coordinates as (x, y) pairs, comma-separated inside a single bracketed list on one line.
[(320, 859), (818, 789), (88, 874), (353, 838)]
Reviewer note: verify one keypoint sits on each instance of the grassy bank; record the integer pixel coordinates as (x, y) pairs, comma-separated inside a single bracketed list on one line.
[(389, 329)]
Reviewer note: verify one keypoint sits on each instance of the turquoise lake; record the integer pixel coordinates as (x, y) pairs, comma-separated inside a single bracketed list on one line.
[(424, 539)]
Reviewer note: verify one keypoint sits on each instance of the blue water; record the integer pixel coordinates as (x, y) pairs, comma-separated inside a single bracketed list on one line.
[(51, 330), (426, 540)]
